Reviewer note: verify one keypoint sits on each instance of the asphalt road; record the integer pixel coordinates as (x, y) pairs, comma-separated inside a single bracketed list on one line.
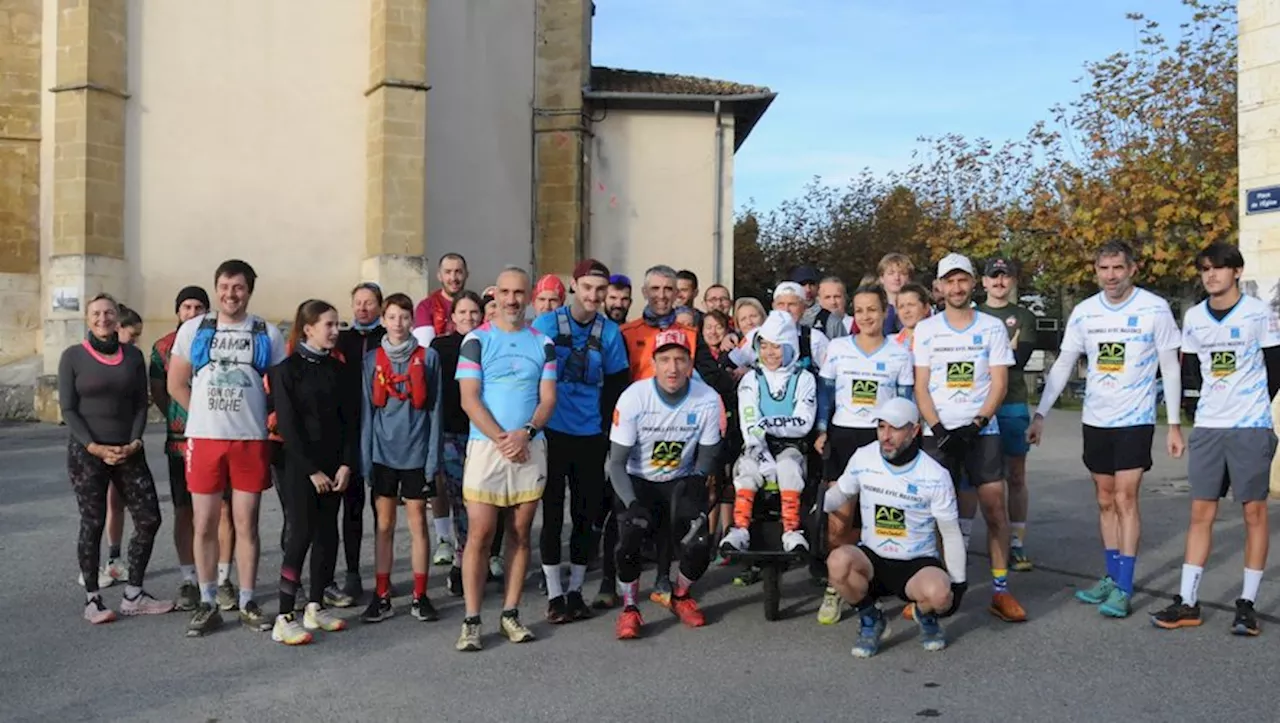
[(1066, 664)]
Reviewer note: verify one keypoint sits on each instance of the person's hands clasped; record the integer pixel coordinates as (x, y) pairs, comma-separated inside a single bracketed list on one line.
[(322, 482), (342, 479)]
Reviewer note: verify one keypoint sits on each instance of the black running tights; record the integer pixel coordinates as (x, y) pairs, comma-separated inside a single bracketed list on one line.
[(90, 477), (313, 525)]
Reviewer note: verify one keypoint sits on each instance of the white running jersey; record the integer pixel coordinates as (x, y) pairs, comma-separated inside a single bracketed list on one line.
[(663, 439), (1123, 345), (959, 362), (864, 380), (899, 506), (1233, 393)]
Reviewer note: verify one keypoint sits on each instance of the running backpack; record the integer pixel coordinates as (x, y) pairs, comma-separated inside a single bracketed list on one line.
[(202, 344), (583, 364), (387, 384)]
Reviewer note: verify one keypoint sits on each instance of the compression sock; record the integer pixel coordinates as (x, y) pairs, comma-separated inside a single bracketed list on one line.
[(224, 572), (629, 591), (743, 501), (444, 529), (682, 585), (999, 580), (555, 585), (577, 576), (113, 552), (419, 584), (188, 573), (209, 592), (966, 531), (1019, 534), (790, 510), (1124, 567), (1252, 579), (246, 596), (383, 584), (1190, 588), (1113, 569)]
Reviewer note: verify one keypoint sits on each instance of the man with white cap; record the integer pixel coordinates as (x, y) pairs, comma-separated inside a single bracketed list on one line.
[(792, 298), (902, 494), (962, 360)]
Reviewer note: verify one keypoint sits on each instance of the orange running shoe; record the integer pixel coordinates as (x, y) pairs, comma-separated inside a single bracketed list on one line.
[(629, 623), (909, 612), (686, 608), (1007, 609)]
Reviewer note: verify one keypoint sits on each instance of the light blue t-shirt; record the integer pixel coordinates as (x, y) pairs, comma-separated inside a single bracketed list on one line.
[(577, 409), (509, 366)]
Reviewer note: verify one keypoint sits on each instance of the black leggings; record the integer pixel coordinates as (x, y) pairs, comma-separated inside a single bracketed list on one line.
[(90, 477), (673, 506), (313, 525), (353, 522), (580, 460)]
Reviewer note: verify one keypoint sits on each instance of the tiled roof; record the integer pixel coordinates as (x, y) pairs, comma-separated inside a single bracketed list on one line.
[(615, 80)]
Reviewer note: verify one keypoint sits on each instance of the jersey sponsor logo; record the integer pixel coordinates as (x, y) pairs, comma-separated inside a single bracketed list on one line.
[(863, 392), (781, 421), (1111, 356), (692, 418), (666, 456), (889, 544), (891, 521), (1235, 332), (1222, 363), (1133, 321), (960, 375)]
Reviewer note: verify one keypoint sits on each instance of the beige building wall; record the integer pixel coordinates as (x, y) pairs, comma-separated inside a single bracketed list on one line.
[(653, 193)]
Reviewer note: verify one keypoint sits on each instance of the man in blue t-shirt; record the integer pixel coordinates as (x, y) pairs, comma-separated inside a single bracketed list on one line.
[(592, 371)]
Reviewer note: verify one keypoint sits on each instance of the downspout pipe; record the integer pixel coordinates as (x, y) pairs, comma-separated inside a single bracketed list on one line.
[(717, 249)]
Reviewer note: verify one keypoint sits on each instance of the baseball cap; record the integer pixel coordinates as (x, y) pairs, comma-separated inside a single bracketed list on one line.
[(788, 288), (898, 412), (590, 267), (954, 262), (805, 274), (998, 266), (671, 337)]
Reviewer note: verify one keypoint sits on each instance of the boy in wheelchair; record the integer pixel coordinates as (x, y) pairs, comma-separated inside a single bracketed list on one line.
[(777, 403)]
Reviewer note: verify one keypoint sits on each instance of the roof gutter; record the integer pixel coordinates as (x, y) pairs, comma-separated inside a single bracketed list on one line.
[(676, 97)]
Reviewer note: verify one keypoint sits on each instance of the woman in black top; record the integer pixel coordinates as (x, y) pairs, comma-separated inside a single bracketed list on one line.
[(102, 389), (319, 421), (468, 313)]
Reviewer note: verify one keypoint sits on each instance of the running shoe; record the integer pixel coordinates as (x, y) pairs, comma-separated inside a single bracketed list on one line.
[(607, 598), (469, 640), (578, 609), (115, 571), (737, 539), (98, 613), (1117, 605), (1020, 561), (909, 611), (252, 617), (318, 618), (104, 580), (188, 597), (1177, 615), (1007, 609), (379, 609), (1246, 620), (144, 604), (1097, 594), (515, 630), (629, 623), (558, 610), (794, 540), (720, 560), (747, 577), (354, 586), (206, 619), (831, 609), (686, 608), (661, 594), (289, 631), (444, 554), (870, 633), (228, 598), (454, 583), (422, 610), (497, 568), (335, 597), (932, 637)]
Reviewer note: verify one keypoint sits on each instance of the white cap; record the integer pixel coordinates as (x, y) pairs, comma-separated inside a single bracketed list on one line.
[(954, 262), (789, 288), (898, 412)]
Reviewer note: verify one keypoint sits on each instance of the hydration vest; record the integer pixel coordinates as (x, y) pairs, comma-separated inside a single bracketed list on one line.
[(203, 343), (585, 364), (783, 405), (387, 384)]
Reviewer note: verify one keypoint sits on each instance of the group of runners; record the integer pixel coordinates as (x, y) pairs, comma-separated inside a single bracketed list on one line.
[(896, 411)]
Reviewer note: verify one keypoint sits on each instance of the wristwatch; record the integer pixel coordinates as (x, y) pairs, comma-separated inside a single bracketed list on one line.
[(531, 430), (981, 421)]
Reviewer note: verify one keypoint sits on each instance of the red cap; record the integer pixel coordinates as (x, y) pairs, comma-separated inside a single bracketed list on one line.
[(590, 267), (671, 337)]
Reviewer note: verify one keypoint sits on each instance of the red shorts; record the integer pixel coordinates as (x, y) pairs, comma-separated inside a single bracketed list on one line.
[(213, 464)]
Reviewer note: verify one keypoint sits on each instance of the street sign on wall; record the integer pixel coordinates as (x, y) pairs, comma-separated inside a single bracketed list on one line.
[(1262, 200)]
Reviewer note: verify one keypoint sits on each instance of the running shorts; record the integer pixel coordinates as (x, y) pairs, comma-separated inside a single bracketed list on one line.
[(982, 463), (890, 577), (842, 442), (491, 478), (410, 484), (1239, 459), (1014, 419), (1108, 450), (213, 465)]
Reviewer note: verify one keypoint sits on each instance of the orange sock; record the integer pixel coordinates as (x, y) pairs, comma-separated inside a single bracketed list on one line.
[(384, 584), (419, 584), (743, 501), (790, 510)]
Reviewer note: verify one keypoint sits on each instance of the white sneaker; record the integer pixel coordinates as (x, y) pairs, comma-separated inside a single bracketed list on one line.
[(104, 579), (114, 571), (793, 540), (496, 567), (289, 631), (444, 553), (318, 618), (737, 538)]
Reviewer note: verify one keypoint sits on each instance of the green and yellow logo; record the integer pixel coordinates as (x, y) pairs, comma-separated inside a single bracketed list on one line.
[(890, 521), (960, 375), (1111, 356), (863, 392), (666, 456), (1222, 363)]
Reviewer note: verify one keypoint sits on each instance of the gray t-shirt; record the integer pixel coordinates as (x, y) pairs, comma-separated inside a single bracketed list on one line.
[(103, 399), (228, 397)]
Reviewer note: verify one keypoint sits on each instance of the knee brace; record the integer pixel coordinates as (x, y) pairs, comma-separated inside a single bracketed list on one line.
[(690, 528)]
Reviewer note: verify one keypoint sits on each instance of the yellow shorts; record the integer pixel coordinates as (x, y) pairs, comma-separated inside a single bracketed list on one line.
[(491, 478)]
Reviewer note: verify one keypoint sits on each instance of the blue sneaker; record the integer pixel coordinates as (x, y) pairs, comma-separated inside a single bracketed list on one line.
[(932, 637), (1099, 593), (872, 631), (1116, 605)]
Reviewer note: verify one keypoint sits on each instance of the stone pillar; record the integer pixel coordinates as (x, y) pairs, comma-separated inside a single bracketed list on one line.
[(1259, 128), (20, 91), (562, 69), (395, 217), (89, 98)]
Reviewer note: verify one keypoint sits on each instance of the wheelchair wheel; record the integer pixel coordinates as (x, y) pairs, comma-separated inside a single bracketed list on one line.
[(772, 583)]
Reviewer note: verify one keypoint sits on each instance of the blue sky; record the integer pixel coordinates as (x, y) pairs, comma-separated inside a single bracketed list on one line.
[(859, 80)]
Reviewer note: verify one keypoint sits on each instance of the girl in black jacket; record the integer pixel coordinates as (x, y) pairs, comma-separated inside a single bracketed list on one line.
[(319, 421)]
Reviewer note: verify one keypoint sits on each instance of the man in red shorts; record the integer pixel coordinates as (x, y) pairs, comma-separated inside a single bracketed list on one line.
[(215, 372)]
